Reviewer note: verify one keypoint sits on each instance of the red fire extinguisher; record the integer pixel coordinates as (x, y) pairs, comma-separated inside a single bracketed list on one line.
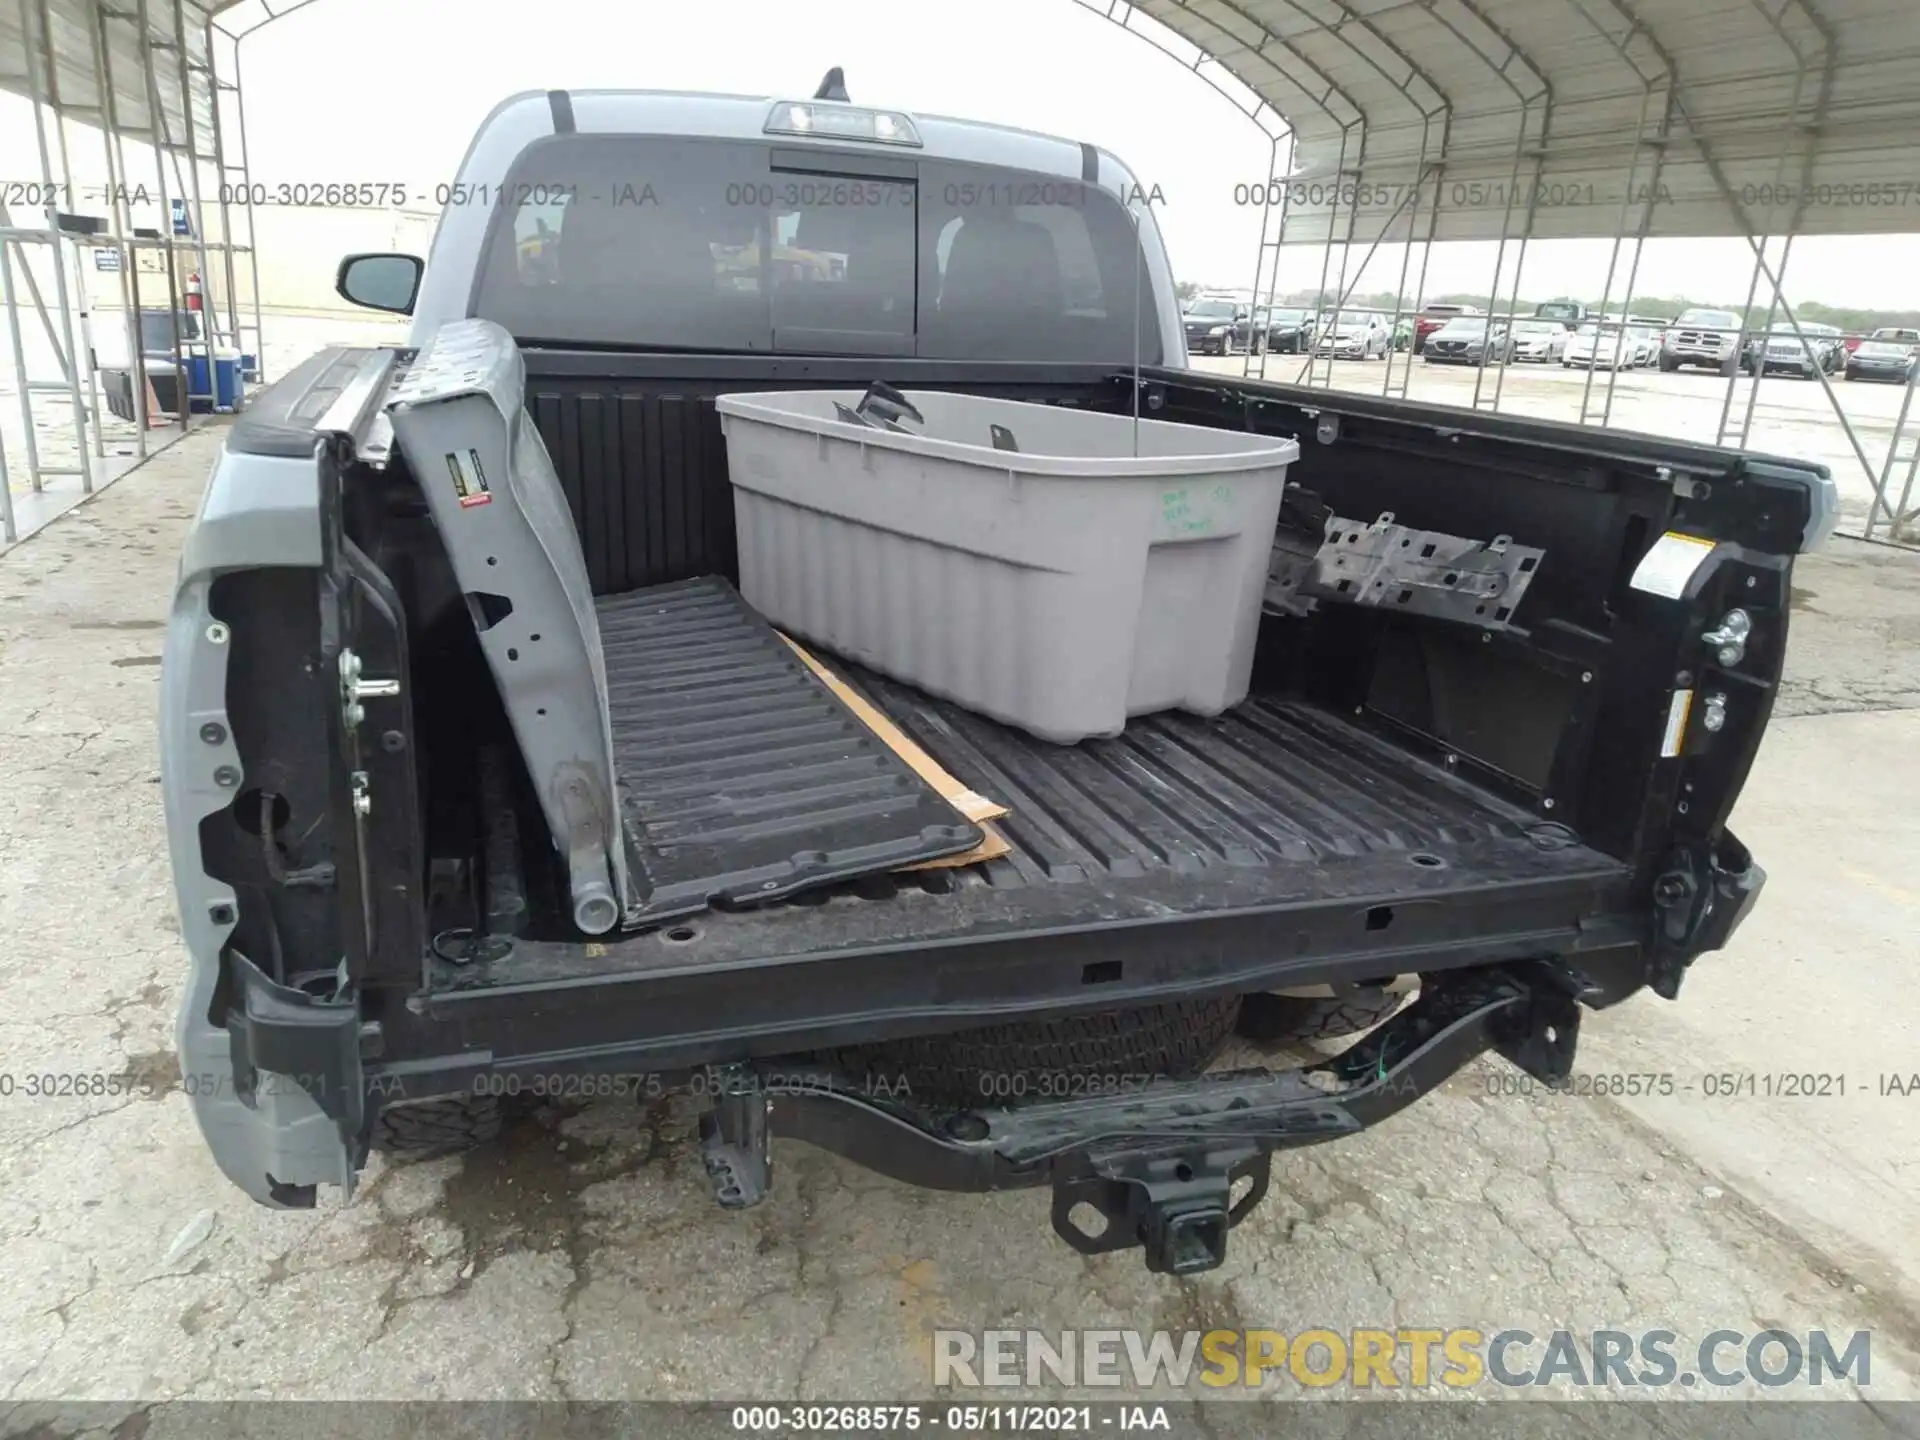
[(193, 290)]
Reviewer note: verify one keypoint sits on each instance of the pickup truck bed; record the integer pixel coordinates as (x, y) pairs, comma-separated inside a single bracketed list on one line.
[(1273, 805), (1292, 841)]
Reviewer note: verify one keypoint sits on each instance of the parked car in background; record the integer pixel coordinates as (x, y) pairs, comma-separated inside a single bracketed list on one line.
[(1832, 343), (1351, 336), (1601, 345), (1781, 349), (1888, 354), (1470, 340), (1216, 326), (1713, 339), (1289, 331), (1543, 340), (1654, 336), (1253, 338), (1647, 336), (1567, 314), (1433, 318)]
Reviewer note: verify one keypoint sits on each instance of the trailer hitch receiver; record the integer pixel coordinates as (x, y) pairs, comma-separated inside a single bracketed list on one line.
[(1177, 1205)]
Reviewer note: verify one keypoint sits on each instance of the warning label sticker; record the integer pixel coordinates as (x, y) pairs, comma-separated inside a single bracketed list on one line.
[(469, 480), (1669, 565), (1678, 709)]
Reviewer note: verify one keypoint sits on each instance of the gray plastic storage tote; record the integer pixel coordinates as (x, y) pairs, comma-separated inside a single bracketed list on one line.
[(1056, 569)]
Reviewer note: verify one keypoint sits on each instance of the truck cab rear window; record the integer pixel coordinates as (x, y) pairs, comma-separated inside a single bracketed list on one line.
[(711, 245)]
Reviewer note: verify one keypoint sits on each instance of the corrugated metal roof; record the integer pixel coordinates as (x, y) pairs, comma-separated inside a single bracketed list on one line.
[(1554, 118), (76, 30), (1580, 118)]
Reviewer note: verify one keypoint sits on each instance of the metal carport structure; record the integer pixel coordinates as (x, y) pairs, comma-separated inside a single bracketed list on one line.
[(1416, 122), (1403, 122), (143, 78)]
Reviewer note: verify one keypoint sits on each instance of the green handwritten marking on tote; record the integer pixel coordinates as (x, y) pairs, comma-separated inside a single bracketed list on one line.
[(1177, 512)]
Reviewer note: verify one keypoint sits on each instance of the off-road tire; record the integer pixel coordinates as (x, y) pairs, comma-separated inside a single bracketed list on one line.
[(1294, 1017), (437, 1126), (1048, 1059)]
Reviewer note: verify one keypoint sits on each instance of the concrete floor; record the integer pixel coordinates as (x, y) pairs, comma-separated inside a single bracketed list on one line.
[(288, 339), (582, 1258)]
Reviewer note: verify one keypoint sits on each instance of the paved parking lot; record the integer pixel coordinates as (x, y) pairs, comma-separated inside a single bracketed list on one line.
[(582, 1257)]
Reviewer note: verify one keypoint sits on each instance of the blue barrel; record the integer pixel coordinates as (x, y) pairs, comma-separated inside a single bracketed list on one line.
[(229, 380), (199, 382)]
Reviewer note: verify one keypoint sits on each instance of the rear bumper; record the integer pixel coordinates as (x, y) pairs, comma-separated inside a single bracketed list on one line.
[(287, 1089), (294, 1085)]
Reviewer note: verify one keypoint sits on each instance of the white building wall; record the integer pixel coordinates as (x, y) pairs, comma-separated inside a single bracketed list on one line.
[(300, 249)]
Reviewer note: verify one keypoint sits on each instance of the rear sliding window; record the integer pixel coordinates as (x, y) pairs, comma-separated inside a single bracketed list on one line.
[(730, 245)]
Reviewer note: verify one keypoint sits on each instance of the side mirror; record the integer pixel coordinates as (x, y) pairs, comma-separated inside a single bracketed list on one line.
[(381, 281)]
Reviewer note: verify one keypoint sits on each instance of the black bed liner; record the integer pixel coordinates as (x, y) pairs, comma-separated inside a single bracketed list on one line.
[(1265, 785), (745, 778), (1270, 807)]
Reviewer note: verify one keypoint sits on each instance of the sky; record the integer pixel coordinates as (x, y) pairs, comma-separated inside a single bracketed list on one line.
[(420, 83)]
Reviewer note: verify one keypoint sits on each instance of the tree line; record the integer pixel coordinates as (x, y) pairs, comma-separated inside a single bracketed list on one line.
[(1854, 320)]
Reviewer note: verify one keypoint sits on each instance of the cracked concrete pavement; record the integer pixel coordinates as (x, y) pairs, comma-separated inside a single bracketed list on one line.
[(582, 1258)]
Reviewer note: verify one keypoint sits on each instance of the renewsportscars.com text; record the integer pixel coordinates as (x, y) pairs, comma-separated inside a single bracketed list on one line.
[(1401, 1358)]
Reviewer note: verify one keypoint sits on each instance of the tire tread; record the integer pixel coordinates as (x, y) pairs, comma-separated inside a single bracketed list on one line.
[(437, 1126)]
